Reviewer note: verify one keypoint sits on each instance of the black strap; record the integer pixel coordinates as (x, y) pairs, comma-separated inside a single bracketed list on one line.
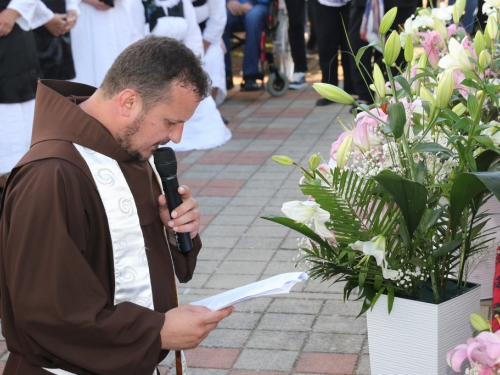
[(203, 25)]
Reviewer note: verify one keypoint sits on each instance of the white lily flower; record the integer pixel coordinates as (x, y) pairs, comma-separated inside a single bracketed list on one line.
[(491, 6), (445, 14), (376, 248), (390, 274), (457, 58), (303, 211)]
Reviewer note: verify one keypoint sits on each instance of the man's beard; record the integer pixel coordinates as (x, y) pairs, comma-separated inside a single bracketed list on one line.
[(124, 139)]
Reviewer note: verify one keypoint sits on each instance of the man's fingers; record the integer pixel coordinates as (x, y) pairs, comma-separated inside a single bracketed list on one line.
[(220, 314), (162, 201), (187, 222), (184, 191), (184, 208)]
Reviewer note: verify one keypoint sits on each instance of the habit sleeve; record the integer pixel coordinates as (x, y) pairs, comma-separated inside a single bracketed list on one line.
[(61, 310)]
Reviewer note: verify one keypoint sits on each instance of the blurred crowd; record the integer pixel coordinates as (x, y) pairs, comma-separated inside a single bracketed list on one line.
[(79, 40)]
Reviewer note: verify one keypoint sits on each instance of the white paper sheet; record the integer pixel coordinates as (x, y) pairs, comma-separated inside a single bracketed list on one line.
[(274, 285)]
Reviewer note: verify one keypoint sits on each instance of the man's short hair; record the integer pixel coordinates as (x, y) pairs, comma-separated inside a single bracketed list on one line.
[(150, 67)]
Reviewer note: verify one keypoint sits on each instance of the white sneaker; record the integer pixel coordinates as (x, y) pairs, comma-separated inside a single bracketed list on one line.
[(298, 81)]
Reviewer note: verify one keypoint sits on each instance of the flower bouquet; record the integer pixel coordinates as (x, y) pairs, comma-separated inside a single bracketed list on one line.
[(482, 350), (397, 209)]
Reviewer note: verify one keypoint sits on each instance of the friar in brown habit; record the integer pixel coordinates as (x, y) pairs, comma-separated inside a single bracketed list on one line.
[(80, 291)]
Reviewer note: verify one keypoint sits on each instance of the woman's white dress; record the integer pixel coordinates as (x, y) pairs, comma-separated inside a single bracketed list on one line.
[(205, 129), (213, 12), (100, 36)]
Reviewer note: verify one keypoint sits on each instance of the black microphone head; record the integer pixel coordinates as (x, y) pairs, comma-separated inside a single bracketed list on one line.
[(165, 161)]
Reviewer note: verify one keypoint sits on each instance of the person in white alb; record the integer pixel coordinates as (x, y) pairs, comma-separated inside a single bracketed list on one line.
[(177, 19), (101, 34), (19, 73), (211, 17)]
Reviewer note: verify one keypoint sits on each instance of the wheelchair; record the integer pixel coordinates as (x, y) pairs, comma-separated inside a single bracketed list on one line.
[(278, 58)]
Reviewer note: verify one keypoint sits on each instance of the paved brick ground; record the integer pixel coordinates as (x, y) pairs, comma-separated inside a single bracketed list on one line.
[(310, 330)]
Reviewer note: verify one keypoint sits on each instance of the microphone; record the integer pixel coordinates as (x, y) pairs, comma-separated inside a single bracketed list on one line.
[(166, 164)]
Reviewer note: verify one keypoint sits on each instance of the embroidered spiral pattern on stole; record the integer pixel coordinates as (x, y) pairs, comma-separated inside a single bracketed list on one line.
[(132, 279)]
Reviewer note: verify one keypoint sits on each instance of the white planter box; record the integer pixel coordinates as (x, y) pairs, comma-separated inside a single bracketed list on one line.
[(415, 337)]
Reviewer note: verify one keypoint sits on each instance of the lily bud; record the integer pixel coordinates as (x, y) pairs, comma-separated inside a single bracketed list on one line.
[(479, 323), (314, 162), (479, 42), (458, 11), (492, 27), (408, 49), (378, 81), (488, 40), (392, 48), (440, 27), (484, 59), (444, 89), (422, 62), (479, 94), (283, 160), (459, 109), (333, 93), (344, 152), (387, 21), (426, 95)]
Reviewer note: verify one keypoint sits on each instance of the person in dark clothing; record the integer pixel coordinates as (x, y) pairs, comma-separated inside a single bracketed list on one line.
[(330, 18), (296, 20), (54, 49), (251, 15), (405, 10)]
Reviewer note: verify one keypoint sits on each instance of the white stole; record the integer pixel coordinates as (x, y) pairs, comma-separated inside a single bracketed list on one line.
[(132, 279)]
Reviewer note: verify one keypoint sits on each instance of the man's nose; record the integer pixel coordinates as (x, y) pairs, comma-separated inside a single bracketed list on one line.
[(176, 134)]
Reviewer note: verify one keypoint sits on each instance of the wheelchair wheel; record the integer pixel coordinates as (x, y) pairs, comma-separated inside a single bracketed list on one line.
[(277, 84)]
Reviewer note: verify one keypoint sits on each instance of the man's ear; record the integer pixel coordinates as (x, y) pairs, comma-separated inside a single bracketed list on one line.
[(129, 103)]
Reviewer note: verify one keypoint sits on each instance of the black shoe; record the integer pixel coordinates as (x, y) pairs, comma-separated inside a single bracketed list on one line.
[(323, 102), (225, 120), (229, 83), (250, 85)]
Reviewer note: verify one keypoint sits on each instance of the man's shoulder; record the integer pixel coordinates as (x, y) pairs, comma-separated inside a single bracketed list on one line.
[(53, 158)]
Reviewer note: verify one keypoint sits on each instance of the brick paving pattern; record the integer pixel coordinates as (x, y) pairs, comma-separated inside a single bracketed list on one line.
[(308, 331)]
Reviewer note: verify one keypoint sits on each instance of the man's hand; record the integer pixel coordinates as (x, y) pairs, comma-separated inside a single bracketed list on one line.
[(185, 218), (235, 8), (246, 7), (8, 18), (206, 44), (57, 25), (186, 326), (71, 17)]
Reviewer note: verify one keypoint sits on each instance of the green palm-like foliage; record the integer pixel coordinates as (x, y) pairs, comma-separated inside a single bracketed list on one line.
[(359, 210)]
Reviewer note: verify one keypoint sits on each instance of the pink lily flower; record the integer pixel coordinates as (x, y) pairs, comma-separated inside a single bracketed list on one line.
[(337, 143), (458, 77), (484, 350), (452, 30), (433, 43), (456, 356), (469, 47)]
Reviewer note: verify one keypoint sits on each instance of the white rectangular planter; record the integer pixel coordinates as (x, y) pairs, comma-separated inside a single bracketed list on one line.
[(415, 337)]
